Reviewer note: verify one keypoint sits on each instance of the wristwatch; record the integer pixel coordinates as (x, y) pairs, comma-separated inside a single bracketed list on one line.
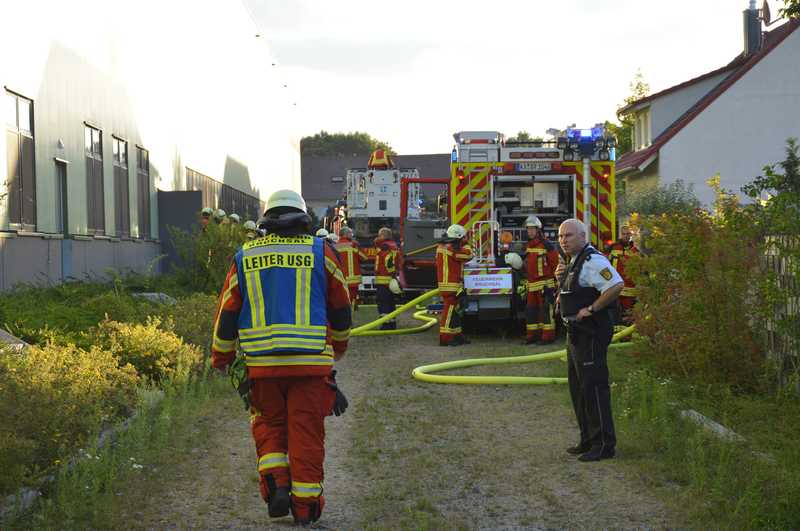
[(590, 308)]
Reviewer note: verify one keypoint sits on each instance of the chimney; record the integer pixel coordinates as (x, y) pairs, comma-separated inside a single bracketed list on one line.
[(752, 29)]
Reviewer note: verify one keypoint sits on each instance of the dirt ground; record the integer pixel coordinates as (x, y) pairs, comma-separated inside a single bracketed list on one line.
[(411, 455)]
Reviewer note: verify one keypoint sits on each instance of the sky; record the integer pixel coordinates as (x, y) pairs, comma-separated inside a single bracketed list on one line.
[(414, 72)]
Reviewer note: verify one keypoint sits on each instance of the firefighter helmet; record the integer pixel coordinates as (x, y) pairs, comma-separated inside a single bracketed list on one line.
[(394, 287), (514, 260), (346, 232), (249, 225), (234, 218), (219, 214), (533, 221), (322, 233), (456, 231), (286, 198), (207, 212)]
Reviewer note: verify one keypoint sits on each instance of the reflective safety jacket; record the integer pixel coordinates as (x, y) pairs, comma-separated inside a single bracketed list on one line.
[(541, 260), (386, 261), (286, 303), (380, 160), (450, 260), (351, 256), (618, 254)]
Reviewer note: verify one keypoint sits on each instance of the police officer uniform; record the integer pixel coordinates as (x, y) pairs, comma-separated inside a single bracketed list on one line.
[(587, 276)]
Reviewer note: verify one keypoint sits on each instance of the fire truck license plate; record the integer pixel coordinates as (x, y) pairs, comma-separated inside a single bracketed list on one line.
[(533, 166)]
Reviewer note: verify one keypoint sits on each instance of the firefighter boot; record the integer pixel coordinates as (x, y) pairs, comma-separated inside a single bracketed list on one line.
[(278, 499), (307, 513)]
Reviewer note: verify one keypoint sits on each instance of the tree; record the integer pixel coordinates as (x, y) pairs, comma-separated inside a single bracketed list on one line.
[(357, 143), (524, 136), (623, 130), (673, 198), (790, 9)]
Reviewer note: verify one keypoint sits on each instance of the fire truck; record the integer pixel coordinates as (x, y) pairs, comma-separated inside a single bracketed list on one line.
[(495, 185), (372, 201)]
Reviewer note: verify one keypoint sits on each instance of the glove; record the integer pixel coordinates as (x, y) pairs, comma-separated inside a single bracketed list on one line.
[(340, 403)]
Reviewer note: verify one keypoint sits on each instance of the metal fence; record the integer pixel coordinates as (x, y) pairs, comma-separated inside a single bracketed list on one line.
[(783, 342)]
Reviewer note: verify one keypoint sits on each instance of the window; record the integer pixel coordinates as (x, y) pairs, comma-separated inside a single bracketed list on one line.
[(641, 130), (21, 167), (143, 190), (62, 217), (95, 203), (122, 208)]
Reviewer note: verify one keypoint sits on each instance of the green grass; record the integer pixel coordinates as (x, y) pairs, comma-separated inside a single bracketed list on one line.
[(89, 494), (754, 484)]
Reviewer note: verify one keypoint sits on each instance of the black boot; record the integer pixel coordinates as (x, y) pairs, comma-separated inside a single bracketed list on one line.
[(579, 449), (596, 454), (278, 500)]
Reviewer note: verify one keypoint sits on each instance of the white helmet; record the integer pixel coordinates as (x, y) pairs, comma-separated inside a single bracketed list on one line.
[(514, 260), (249, 225), (286, 198), (533, 221), (322, 233), (219, 214), (333, 237), (394, 287), (456, 231), (234, 218)]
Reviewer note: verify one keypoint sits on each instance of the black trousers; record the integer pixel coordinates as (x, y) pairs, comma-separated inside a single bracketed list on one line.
[(385, 300), (587, 356)]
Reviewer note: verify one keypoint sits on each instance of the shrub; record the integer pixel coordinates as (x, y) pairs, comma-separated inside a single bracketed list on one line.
[(206, 255), (673, 198), (53, 399), (153, 348), (699, 306), (193, 318)]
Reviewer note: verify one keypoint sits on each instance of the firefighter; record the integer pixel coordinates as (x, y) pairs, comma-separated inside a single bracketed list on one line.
[(386, 262), (234, 218), (285, 301), (541, 260), (380, 159), (219, 216), (590, 288), (352, 257), (618, 254), (250, 229), (451, 255), (205, 216)]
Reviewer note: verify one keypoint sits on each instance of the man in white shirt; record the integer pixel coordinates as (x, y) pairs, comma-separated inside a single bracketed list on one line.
[(589, 285)]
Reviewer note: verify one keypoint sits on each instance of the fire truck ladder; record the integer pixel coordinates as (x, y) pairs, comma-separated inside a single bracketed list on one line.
[(483, 241)]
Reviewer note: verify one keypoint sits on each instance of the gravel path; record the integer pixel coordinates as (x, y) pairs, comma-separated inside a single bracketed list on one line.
[(483, 457)]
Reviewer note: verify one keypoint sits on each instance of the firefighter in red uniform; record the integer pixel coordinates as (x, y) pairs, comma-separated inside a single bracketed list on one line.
[(380, 160), (619, 253), (285, 303), (541, 260), (451, 255), (386, 287), (351, 257)]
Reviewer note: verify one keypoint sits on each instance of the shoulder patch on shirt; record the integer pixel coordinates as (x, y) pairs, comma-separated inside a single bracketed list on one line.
[(606, 273)]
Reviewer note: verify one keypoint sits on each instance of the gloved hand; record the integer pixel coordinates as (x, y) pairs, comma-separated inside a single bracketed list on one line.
[(340, 403)]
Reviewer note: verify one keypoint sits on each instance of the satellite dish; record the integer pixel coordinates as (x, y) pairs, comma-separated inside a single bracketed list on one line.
[(766, 16)]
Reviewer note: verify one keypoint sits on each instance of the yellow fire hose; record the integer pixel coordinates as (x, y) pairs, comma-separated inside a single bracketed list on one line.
[(422, 373)]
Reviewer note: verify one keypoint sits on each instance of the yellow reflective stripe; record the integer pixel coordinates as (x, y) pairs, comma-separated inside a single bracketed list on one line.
[(340, 335), (630, 292), (306, 490), (381, 281), (450, 330), (350, 266), (286, 361), (534, 326), (283, 343), (334, 269), (302, 294), (353, 278), (254, 296), (548, 326), (273, 460), (537, 250), (224, 345), (306, 330), (227, 295)]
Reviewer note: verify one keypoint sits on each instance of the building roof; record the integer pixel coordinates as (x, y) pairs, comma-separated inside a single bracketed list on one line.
[(637, 160), (317, 173)]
